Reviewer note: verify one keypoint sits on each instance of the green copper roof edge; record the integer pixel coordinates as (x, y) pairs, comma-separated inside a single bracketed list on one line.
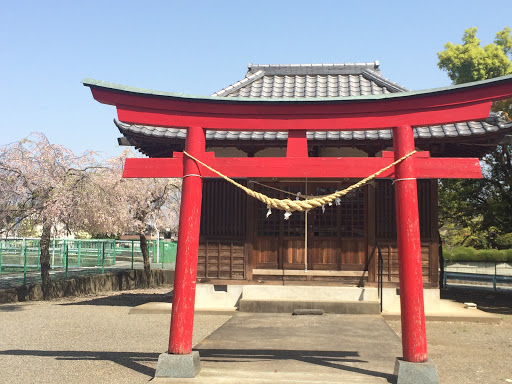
[(149, 92)]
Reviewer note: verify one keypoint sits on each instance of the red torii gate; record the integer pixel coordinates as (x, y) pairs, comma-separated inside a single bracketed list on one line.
[(399, 112)]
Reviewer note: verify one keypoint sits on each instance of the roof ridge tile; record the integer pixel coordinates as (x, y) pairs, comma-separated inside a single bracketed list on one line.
[(384, 82), (239, 84)]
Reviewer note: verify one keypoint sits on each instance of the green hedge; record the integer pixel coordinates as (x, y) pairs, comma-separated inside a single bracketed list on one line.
[(471, 254)]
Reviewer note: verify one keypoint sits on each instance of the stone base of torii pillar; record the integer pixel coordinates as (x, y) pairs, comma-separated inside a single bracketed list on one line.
[(417, 373), (178, 366)]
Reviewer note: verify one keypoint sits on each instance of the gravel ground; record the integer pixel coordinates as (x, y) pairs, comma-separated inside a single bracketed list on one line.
[(88, 340), (472, 352), (94, 339)]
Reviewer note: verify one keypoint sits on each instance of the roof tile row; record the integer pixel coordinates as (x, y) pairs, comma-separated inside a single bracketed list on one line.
[(449, 130)]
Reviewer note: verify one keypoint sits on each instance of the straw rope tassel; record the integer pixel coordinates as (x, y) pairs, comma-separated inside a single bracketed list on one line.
[(301, 205)]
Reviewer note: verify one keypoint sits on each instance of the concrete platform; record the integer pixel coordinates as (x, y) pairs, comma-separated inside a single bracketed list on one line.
[(162, 308), (448, 310), (340, 300), (282, 348), (285, 299)]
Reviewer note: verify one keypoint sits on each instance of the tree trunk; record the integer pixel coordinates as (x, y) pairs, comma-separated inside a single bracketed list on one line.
[(45, 258), (145, 257)]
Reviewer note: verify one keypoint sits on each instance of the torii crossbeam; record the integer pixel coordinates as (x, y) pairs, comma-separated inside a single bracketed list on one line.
[(399, 112)]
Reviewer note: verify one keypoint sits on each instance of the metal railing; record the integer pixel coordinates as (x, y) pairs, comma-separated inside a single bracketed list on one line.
[(22, 255), (380, 273), (470, 277)]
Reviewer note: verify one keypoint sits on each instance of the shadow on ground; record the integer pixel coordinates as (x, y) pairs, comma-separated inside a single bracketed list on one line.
[(486, 299), (130, 360), (126, 300), (342, 360), (135, 360), (10, 308)]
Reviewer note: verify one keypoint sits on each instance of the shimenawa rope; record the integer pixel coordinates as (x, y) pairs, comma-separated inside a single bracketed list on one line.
[(301, 205)]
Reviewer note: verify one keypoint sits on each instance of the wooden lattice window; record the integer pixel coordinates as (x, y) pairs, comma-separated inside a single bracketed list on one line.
[(294, 226), (325, 219), (386, 212), (223, 211), (267, 226), (353, 214)]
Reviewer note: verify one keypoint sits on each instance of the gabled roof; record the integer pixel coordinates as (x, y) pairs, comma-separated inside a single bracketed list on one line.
[(314, 81), (311, 81)]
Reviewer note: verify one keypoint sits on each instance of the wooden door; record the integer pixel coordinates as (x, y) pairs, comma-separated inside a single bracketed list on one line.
[(323, 230), (354, 230), (337, 234), (294, 230), (267, 232)]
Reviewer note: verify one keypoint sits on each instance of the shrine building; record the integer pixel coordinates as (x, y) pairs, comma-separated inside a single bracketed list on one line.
[(303, 134), (336, 244)]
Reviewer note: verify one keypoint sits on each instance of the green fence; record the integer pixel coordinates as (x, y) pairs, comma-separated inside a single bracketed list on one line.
[(23, 255), (164, 253)]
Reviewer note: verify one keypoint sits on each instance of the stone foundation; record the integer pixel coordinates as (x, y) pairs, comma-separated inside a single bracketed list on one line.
[(87, 285)]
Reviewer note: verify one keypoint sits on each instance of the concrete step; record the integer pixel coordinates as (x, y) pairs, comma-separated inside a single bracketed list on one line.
[(285, 299), (328, 306), (309, 293)]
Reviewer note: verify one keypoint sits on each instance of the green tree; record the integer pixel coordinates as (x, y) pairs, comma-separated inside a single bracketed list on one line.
[(483, 208)]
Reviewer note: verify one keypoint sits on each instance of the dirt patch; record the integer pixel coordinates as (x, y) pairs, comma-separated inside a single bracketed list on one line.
[(88, 339), (499, 302), (472, 352)]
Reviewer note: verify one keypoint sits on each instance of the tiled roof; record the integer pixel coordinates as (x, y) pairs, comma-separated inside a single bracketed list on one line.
[(438, 131), (311, 81), (314, 81)]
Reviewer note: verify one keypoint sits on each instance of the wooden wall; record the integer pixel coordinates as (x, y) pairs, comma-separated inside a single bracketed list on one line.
[(231, 236), (221, 260), (385, 232), (222, 244)]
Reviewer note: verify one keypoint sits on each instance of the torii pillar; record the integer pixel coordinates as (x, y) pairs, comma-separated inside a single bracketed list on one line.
[(180, 360), (414, 336), (180, 339)]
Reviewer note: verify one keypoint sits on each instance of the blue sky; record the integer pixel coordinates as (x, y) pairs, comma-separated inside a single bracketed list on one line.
[(199, 47)]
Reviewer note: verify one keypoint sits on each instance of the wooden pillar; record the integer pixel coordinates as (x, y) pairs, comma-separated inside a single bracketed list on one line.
[(182, 319), (372, 254), (414, 339), (297, 144)]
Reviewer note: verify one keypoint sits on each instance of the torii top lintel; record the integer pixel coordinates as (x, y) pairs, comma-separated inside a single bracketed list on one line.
[(466, 102)]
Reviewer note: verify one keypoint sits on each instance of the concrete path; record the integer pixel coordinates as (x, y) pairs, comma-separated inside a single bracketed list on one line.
[(281, 348)]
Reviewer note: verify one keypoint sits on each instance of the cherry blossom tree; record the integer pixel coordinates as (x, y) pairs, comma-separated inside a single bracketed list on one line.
[(131, 205), (49, 185), (44, 183)]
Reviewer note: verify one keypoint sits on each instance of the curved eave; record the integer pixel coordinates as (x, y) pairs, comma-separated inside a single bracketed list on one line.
[(293, 100), (439, 106)]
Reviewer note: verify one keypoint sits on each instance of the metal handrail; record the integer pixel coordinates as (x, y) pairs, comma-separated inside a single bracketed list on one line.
[(380, 280)]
